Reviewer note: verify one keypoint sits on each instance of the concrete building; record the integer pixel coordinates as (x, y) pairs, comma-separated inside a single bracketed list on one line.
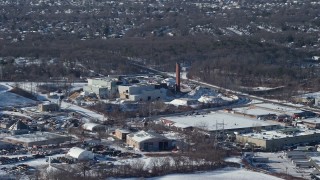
[(102, 87), (122, 133), (80, 154), (38, 139), (141, 92), (48, 107), (278, 139), (148, 141)]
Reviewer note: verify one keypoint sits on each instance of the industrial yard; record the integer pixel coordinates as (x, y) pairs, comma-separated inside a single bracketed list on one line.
[(147, 122)]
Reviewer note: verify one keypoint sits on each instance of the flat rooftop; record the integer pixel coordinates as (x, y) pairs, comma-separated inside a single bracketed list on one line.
[(311, 120), (279, 108), (39, 136), (267, 108), (279, 134), (255, 111), (230, 121)]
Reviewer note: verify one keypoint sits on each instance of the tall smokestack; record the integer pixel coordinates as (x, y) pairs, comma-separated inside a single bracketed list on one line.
[(177, 77)]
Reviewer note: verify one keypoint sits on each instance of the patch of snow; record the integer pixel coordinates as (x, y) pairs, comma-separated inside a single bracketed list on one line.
[(200, 91), (233, 159), (225, 173)]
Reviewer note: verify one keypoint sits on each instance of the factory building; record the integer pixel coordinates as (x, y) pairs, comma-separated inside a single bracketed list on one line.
[(279, 139), (141, 92), (102, 87)]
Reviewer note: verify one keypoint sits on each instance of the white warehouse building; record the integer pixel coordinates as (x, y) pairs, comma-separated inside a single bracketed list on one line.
[(80, 154), (141, 92), (102, 87)]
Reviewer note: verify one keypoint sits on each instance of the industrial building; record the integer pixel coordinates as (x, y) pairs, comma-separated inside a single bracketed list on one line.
[(102, 87), (141, 92), (219, 121), (148, 141), (37, 139), (278, 139)]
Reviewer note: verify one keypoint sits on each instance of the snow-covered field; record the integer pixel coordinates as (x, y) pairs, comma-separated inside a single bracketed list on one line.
[(226, 173), (10, 99)]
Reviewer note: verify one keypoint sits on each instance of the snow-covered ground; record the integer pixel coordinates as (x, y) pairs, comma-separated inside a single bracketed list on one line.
[(83, 111), (225, 173), (8, 99)]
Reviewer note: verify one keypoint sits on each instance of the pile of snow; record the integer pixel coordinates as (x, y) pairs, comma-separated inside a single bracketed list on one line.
[(233, 159), (169, 81), (210, 99), (179, 102), (201, 91), (184, 102)]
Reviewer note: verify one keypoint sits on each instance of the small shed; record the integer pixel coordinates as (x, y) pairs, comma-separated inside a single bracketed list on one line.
[(80, 154), (122, 134), (48, 107)]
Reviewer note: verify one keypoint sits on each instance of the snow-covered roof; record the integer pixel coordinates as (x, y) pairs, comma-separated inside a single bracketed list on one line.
[(39, 136), (279, 108), (230, 121), (255, 111), (280, 133), (79, 153), (311, 120), (143, 136), (123, 130)]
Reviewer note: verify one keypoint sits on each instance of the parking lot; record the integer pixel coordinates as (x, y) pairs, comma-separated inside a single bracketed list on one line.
[(280, 164)]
